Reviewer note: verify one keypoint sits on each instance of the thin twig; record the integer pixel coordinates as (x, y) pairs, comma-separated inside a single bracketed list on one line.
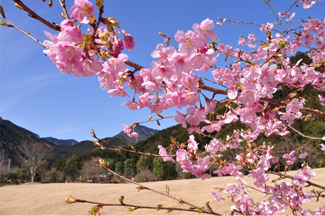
[(100, 13), (64, 8), (275, 15), (303, 135), (25, 33), (141, 207), (199, 209), (118, 148), (34, 15), (291, 177)]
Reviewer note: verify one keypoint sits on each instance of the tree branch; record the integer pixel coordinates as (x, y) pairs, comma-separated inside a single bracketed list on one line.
[(34, 15), (117, 148), (25, 33), (141, 207), (308, 110), (211, 89), (198, 209), (303, 135), (291, 177), (62, 3)]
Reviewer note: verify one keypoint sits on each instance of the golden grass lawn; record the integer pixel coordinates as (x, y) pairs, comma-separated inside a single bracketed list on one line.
[(49, 199)]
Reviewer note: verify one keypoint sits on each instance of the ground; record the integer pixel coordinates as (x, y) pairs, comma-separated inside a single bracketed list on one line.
[(49, 199)]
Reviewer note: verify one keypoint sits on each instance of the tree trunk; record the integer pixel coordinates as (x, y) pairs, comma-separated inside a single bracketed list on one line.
[(32, 174)]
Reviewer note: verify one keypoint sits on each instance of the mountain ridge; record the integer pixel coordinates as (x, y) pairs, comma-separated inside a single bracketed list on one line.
[(12, 136)]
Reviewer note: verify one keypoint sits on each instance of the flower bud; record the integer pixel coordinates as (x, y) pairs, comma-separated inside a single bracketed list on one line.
[(70, 199), (128, 42), (103, 163), (99, 3)]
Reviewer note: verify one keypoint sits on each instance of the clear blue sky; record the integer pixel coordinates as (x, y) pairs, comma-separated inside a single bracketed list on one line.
[(36, 96)]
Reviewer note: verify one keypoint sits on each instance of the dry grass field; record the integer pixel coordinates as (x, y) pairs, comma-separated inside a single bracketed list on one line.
[(49, 199)]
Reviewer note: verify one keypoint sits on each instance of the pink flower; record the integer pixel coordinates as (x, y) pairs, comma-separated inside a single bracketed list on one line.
[(82, 10), (266, 27), (192, 145), (127, 129), (232, 92), (291, 17), (216, 196), (205, 30), (304, 175), (291, 157), (319, 212), (294, 106), (303, 155), (164, 155), (128, 42), (307, 3), (180, 118)]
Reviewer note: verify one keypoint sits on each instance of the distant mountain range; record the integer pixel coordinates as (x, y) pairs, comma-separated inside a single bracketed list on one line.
[(12, 136), (65, 142)]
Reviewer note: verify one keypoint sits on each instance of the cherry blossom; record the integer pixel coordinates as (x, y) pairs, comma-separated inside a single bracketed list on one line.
[(82, 10)]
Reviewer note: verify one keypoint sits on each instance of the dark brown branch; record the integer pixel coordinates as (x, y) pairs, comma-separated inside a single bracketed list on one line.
[(214, 90), (134, 65), (34, 15), (291, 177), (142, 207), (100, 13)]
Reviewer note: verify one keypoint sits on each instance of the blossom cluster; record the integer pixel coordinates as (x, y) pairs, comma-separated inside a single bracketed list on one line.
[(174, 80)]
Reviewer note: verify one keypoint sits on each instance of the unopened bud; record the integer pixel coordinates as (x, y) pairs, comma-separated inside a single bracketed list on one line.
[(103, 163), (92, 20), (70, 199), (18, 6), (128, 42), (292, 95), (97, 143), (110, 21), (92, 132), (162, 34), (99, 3), (4, 23), (2, 12)]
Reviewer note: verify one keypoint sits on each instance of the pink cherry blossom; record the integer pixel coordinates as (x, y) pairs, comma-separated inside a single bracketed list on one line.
[(164, 155), (216, 196), (291, 157), (266, 27), (82, 10), (303, 155)]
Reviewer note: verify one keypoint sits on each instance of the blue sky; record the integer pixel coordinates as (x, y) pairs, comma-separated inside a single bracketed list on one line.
[(36, 96)]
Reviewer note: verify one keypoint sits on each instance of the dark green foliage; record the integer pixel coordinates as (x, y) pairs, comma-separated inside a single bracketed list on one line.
[(144, 162), (119, 167), (72, 167), (23, 174), (129, 168), (164, 170)]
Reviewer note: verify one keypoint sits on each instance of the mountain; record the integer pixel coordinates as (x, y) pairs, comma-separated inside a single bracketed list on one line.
[(65, 142), (143, 131), (12, 136)]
